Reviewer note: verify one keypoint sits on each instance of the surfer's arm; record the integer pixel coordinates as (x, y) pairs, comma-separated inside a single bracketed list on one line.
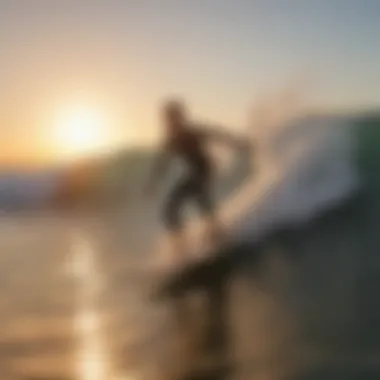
[(222, 136)]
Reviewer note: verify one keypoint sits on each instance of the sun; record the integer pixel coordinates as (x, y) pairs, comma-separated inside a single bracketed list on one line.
[(80, 131)]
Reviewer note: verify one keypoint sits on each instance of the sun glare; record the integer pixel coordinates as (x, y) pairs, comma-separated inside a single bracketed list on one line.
[(81, 131)]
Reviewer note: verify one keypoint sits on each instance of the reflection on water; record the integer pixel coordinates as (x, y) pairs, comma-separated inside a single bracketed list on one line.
[(94, 323), (93, 363)]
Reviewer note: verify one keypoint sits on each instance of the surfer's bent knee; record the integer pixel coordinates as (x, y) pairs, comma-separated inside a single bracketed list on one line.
[(206, 203), (171, 217)]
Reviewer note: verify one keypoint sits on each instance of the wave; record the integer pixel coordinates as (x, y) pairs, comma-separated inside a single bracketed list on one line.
[(304, 169), (307, 146)]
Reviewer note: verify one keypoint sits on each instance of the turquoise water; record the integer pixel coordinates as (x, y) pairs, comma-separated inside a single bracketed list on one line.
[(337, 285)]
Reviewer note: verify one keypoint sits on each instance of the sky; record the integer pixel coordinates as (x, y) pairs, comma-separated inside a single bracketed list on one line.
[(121, 58)]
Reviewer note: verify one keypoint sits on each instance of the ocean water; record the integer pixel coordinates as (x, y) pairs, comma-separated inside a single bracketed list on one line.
[(74, 288), (338, 279)]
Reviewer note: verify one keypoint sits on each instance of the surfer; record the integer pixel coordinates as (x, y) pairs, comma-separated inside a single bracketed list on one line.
[(188, 141)]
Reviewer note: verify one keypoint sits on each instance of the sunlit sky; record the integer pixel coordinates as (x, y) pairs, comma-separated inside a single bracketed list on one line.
[(115, 60)]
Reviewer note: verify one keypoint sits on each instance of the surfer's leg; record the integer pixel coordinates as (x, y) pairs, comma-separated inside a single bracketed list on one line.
[(173, 217), (213, 230)]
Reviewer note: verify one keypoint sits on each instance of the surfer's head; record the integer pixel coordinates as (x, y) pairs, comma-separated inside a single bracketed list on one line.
[(174, 114)]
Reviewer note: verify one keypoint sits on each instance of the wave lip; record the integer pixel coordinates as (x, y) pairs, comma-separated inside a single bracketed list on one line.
[(306, 169)]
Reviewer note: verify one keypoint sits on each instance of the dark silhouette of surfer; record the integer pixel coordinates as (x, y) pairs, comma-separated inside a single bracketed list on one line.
[(188, 141)]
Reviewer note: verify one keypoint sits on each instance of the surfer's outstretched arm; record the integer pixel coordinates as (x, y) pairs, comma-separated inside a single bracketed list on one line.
[(221, 135)]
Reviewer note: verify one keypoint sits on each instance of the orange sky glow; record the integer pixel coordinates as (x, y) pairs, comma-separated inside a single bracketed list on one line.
[(119, 59)]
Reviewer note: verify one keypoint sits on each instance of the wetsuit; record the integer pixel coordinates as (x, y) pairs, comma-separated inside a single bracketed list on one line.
[(189, 146)]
